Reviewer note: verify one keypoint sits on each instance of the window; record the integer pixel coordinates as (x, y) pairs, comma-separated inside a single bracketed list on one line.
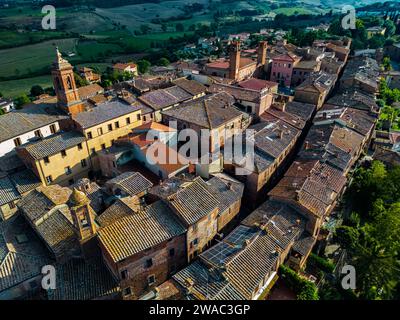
[(68, 170), (194, 243), (151, 279), (53, 129), (49, 179), (11, 205), (128, 120), (46, 160), (99, 131), (138, 117), (124, 274), (117, 124), (69, 83), (63, 153), (93, 151), (17, 142), (79, 146), (103, 146), (171, 252), (110, 127), (83, 163), (89, 135), (38, 134), (149, 263), (127, 291)]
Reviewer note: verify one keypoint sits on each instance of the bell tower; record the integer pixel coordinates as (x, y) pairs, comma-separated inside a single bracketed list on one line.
[(234, 60), (64, 85), (262, 53), (82, 215)]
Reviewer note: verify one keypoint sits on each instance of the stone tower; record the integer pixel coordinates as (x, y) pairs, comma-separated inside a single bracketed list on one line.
[(234, 60), (262, 53), (82, 215), (64, 85)]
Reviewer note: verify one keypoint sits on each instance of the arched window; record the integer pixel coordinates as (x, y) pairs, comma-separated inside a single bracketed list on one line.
[(69, 83)]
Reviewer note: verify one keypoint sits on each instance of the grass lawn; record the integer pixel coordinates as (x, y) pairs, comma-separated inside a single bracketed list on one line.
[(14, 88), (163, 36), (92, 50), (10, 38), (32, 58), (297, 10)]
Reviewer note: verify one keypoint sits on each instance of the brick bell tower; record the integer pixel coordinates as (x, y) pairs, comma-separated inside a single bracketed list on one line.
[(262, 53), (234, 60), (64, 85), (82, 215)]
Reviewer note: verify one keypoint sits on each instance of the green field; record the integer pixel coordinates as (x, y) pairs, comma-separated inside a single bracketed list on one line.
[(10, 39), (297, 10), (32, 59), (14, 88)]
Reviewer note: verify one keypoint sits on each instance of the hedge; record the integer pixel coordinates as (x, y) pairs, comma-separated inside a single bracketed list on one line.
[(322, 263), (304, 289)]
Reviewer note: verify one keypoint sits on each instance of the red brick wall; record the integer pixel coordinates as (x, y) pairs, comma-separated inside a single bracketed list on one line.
[(163, 266)]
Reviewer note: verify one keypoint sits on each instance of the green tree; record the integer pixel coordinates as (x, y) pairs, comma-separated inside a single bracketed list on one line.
[(21, 100), (180, 27), (163, 62), (143, 66), (36, 90), (386, 64), (80, 82), (390, 28)]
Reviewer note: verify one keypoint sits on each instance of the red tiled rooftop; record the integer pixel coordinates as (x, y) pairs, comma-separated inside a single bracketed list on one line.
[(257, 84)]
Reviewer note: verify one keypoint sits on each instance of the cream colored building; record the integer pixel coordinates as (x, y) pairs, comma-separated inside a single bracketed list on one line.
[(60, 159), (106, 123)]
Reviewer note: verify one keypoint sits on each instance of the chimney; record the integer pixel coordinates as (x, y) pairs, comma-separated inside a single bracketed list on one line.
[(262, 53), (234, 59)]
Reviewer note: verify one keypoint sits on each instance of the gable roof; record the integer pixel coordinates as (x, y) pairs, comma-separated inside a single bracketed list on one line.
[(140, 231), (193, 201), (211, 111), (132, 183), (19, 261), (90, 91), (163, 98), (31, 117), (104, 112), (79, 279), (53, 144), (8, 192), (192, 87), (237, 92)]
